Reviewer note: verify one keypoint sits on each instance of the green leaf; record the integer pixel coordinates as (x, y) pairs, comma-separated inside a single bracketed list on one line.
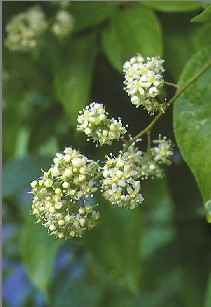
[(132, 30), (115, 244), (205, 16), (73, 75), (192, 121), (18, 174), (88, 14), (38, 250), (173, 6), (76, 289), (175, 56)]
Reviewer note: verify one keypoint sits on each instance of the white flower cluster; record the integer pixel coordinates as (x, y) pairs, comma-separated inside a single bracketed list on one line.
[(143, 79), (94, 123), (155, 157), (25, 30), (63, 24), (62, 195), (120, 184)]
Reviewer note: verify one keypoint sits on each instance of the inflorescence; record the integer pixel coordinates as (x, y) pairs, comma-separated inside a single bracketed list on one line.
[(63, 24), (120, 184), (63, 196), (143, 80), (93, 121), (25, 31)]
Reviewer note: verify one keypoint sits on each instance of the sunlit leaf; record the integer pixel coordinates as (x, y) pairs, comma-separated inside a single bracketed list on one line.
[(192, 121)]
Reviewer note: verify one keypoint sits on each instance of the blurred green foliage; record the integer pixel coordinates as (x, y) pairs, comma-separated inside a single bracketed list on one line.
[(154, 256)]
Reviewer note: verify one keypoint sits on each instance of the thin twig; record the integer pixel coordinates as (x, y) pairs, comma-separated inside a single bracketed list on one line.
[(171, 84), (148, 139), (172, 100)]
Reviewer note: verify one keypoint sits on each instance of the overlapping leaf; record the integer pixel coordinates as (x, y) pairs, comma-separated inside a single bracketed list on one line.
[(73, 75), (205, 16), (132, 30), (38, 251)]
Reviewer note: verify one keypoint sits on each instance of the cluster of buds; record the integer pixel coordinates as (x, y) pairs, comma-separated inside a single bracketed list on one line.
[(25, 30), (62, 196), (63, 24), (120, 185), (155, 157), (93, 121), (143, 79)]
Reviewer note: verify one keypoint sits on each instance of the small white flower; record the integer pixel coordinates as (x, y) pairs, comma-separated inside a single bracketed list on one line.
[(65, 185), (33, 184), (54, 171), (48, 183), (153, 91), (163, 151)]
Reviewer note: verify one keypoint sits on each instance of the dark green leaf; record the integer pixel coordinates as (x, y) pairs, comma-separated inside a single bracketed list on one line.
[(73, 75), (192, 121), (132, 30), (38, 250), (178, 48), (48, 123), (18, 174), (173, 6), (205, 16), (20, 67), (88, 14), (115, 244)]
